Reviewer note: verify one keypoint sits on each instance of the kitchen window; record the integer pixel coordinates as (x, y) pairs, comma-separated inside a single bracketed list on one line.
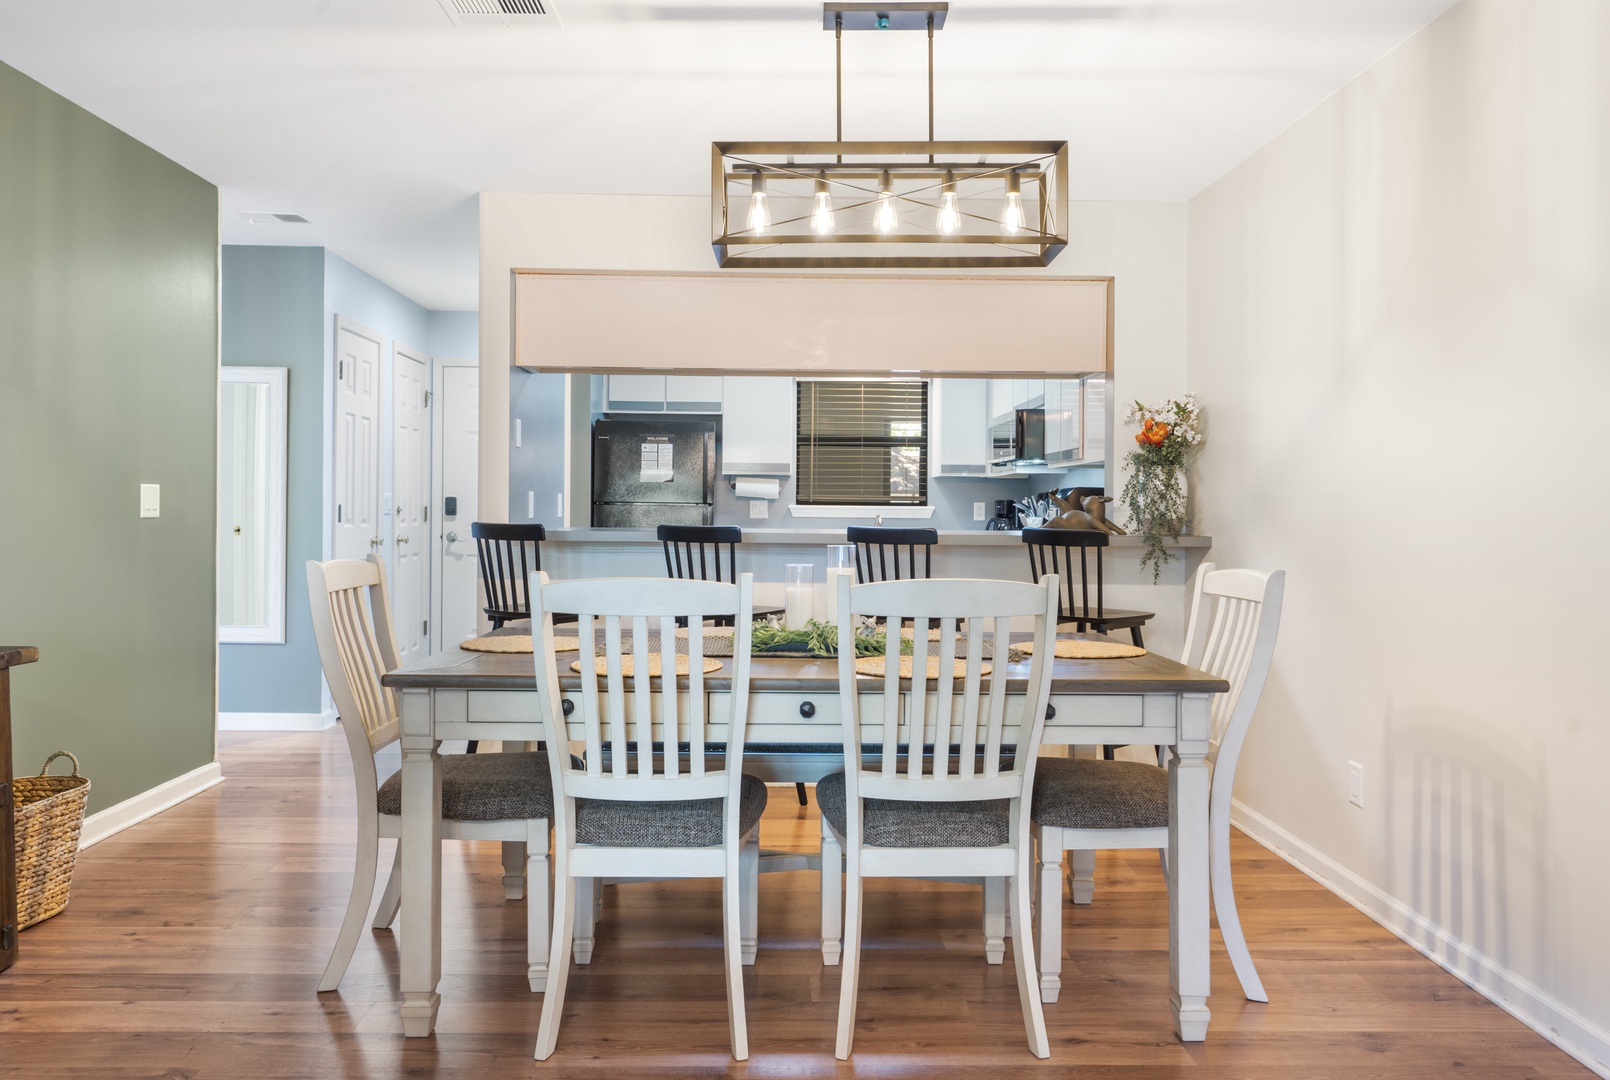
[(862, 443)]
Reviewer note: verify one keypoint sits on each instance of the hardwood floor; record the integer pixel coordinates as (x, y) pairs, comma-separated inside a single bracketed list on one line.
[(193, 943)]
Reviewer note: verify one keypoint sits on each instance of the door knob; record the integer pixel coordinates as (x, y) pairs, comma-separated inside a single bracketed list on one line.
[(375, 541), (402, 539), (451, 537)]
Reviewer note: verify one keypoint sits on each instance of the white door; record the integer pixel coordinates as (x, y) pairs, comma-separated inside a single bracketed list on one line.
[(410, 490), (456, 411), (357, 442)]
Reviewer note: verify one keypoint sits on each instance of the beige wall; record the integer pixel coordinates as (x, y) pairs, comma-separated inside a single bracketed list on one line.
[(1141, 245), (1400, 327)]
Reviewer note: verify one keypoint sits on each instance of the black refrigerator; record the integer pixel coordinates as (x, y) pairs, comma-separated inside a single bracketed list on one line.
[(653, 472)]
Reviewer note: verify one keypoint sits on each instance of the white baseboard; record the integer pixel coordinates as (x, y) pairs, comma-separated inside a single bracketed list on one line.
[(114, 819), (1533, 1006), (276, 721)]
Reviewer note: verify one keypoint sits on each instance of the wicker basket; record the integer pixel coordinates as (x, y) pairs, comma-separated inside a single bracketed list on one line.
[(50, 816)]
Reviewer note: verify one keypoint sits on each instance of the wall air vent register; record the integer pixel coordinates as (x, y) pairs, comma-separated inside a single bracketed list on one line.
[(513, 13)]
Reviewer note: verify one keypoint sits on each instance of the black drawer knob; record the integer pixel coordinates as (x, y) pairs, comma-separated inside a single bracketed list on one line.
[(1050, 712), (807, 709), (567, 706)]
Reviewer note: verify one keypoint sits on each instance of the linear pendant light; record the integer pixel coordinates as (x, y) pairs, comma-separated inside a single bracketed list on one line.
[(898, 204)]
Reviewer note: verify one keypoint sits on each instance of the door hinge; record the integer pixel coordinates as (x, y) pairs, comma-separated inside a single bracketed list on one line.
[(338, 513), (340, 370), (426, 630), (427, 513)]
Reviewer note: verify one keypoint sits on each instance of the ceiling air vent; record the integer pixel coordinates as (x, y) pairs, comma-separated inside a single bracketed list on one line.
[(269, 217), (501, 12)]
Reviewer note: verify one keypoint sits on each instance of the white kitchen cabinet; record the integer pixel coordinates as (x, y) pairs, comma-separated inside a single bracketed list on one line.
[(757, 426), (1093, 437), (662, 393), (1062, 421), (958, 427), (999, 401), (693, 393)]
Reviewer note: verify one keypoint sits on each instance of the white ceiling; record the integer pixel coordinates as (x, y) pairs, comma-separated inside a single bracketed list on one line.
[(380, 121)]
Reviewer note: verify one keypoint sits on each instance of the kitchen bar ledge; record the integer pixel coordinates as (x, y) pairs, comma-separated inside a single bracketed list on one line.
[(970, 553)]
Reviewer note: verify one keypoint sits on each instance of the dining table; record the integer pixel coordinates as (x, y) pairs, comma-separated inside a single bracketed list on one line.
[(794, 699)]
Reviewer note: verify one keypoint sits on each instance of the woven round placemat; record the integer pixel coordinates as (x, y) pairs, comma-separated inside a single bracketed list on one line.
[(877, 665), (1082, 649), (601, 665), (515, 643)]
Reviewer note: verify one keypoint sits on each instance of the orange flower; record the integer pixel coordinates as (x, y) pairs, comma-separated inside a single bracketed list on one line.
[(1161, 431), (1147, 426), (1141, 438)]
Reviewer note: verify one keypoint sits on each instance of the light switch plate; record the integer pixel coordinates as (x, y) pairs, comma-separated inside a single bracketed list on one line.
[(757, 508), (150, 500), (978, 511), (531, 505), (1355, 783)]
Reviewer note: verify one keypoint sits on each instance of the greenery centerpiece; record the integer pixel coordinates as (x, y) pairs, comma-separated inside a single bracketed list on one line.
[(1154, 494)]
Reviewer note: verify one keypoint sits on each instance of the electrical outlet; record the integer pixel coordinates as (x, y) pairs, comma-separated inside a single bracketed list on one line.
[(150, 500), (757, 508), (559, 504), (978, 511), (517, 432), (1355, 783)]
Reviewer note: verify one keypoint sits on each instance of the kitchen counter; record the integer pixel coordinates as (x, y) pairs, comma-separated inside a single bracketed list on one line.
[(971, 553), (823, 537)]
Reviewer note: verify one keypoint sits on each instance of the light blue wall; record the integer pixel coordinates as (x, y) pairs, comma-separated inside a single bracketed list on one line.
[(453, 335), (280, 307), (273, 300)]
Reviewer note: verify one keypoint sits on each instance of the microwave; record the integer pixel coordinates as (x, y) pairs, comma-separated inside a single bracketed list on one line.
[(1020, 437)]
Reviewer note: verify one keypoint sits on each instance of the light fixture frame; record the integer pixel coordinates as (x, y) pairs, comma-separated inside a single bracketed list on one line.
[(1044, 164), (1041, 165)]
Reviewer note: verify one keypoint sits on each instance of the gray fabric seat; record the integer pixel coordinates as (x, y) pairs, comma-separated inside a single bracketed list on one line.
[(1078, 793), (898, 823), (686, 823), (485, 787)]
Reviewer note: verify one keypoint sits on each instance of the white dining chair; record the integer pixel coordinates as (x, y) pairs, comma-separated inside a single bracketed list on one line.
[(648, 813), (505, 797), (938, 797), (1081, 805)]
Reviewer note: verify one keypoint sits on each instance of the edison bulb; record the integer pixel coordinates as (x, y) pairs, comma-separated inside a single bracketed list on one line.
[(1012, 214), (822, 214), (886, 219), (950, 219), (759, 213)]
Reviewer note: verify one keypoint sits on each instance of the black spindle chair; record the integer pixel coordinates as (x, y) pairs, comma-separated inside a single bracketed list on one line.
[(695, 551), (879, 551), (1051, 551), (509, 555)]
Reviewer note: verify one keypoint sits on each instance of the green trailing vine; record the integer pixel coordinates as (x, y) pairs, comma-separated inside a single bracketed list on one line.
[(1154, 493)]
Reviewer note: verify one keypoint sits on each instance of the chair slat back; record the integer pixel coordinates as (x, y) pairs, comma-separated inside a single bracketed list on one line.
[(879, 551), (643, 730), (352, 627), (950, 728), (695, 551), (1235, 618), (1051, 552), (509, 555)]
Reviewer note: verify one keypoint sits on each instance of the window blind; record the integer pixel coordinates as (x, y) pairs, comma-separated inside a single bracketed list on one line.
[(862, 443)]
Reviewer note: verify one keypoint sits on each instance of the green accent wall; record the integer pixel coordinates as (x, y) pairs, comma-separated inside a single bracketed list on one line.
[(108, 379)]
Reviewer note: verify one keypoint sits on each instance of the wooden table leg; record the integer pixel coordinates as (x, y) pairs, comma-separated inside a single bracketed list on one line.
[(421, 945), (1188, 920)]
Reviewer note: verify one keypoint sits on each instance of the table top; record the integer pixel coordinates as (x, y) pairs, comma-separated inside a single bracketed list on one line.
[(784, 673), (13, 655)]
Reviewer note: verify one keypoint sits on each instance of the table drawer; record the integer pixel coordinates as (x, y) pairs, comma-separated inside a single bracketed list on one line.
[(795, 709)]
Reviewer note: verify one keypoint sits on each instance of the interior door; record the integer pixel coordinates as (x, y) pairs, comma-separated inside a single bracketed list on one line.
[(456, 410), (410, 488), (357, 442)]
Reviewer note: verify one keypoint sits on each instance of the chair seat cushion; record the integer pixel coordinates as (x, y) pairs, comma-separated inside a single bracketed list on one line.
[(898, 823), (1079, 793), (686, 823), (485, 787)]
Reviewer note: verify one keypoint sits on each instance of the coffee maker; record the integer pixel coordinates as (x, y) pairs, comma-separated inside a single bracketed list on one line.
[(1005, 519)]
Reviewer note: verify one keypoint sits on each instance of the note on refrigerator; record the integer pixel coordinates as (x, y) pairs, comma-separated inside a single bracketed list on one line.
[(656, 463)]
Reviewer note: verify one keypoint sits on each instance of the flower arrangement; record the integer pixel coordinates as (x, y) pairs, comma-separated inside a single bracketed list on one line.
[(1154, 494)]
